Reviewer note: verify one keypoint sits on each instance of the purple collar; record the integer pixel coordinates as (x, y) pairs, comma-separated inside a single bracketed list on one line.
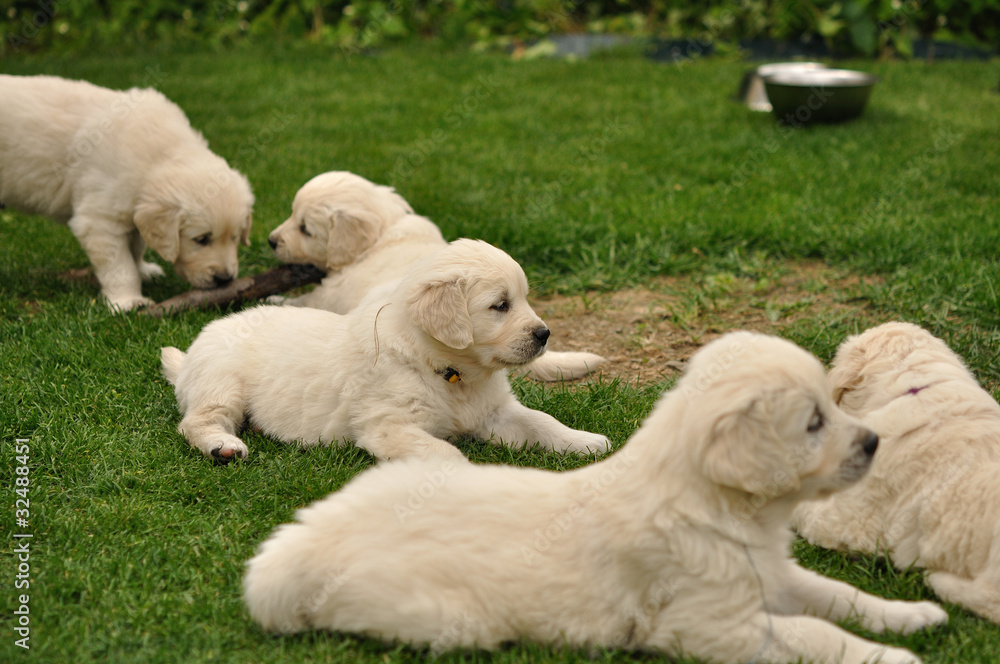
[(914, 390)]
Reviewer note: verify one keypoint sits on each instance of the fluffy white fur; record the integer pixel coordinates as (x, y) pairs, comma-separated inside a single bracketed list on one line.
[(932, 498), (675, 543), (380, 375), (366, 235), (123, 169)]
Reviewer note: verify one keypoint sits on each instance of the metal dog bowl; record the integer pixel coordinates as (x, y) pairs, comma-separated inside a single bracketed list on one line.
[(818, 95), (752, 92)]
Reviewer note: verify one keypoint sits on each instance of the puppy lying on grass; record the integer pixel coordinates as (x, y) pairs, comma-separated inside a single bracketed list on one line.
[(366, 235), (676, 543), (398, 375), (933, 496)]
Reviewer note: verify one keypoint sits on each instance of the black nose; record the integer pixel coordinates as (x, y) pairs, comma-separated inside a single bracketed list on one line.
[(870, 444), (542, 334), (222, 280), (274, 243)]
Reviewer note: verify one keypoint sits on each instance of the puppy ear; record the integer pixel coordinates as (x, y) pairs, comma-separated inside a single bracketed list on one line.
[(159, 224), (742, 454), (352, 232), (440, 309)]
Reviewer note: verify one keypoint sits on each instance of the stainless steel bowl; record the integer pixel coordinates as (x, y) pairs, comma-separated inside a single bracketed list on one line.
[(752, 92), (818, 95)]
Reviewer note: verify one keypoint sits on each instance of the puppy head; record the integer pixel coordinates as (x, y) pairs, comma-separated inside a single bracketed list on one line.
[(886, 361), (196, 216), (473, 297), (768, 424), (336, 217)]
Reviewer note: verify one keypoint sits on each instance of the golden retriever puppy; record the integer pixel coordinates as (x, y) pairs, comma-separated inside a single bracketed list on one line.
[(933, 496), (676, 543), (398, 375), (366, 235), (123, 169)]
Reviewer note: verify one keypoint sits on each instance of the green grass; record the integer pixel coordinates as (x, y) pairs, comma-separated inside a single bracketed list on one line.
[(594, 174)]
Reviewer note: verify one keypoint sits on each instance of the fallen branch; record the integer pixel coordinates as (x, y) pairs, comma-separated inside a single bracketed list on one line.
[(279, 280)]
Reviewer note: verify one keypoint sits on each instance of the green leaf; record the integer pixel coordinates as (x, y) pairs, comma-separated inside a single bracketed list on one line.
[(864, 35)]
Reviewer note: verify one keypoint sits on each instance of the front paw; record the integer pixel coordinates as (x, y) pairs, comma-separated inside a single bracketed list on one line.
[(224, 449), (909, 617), (887, 655), (121, 304), (588, 443)]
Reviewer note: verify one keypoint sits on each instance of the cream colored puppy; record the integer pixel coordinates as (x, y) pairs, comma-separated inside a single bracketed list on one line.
[(366, 235), (933, 496), (123, 169), (676, 543), (398, 376)]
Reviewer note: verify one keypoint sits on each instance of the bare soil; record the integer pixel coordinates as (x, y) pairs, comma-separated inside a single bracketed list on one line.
[(648, 333)]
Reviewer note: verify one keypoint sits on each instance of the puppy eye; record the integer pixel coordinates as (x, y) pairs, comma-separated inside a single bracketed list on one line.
[(304, 230), (204, 240), (816, 422), (502, 306)]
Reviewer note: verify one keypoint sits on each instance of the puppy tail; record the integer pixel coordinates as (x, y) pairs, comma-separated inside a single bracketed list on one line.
[(279, 588), (171, 358), (556, 365)]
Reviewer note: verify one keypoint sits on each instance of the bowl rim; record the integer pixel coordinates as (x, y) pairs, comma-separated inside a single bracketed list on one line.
[(821, 77), (772, 68)]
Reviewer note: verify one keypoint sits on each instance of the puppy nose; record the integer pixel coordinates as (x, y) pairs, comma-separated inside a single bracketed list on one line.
[(222, 280), (272, 241), (870, 443), (541, 334)]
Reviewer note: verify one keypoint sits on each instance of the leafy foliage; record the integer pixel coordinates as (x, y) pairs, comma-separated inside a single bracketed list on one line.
[(850, 26)]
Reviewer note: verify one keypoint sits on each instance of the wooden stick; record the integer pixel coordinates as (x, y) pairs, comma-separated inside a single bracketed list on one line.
[(279, 280)]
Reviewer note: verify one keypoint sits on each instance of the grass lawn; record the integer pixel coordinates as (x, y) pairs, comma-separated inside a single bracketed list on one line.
[(595, 175)]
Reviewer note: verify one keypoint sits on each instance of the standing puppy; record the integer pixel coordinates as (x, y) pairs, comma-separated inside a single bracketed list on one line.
[(398, 375), (677, 543), (123, 170), (933, 497), (365, 235)]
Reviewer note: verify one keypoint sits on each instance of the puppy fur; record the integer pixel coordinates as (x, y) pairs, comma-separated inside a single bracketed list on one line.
[(123, 169), (398, 375), (676, 543), (366, 235), (932, 499)]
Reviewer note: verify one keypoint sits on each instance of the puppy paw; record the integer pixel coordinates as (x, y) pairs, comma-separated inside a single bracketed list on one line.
[(225, 450), (909, 617), (588, 443), (150, 271), (127, 302), (887, 655)]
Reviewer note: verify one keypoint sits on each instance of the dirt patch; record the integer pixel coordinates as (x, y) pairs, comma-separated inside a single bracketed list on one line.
[(648, 333)]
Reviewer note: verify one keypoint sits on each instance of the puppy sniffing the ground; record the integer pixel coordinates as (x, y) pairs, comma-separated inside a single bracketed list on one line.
[(366, 235), (676, 543), (933, 497), (122, 169), (398, 375)]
